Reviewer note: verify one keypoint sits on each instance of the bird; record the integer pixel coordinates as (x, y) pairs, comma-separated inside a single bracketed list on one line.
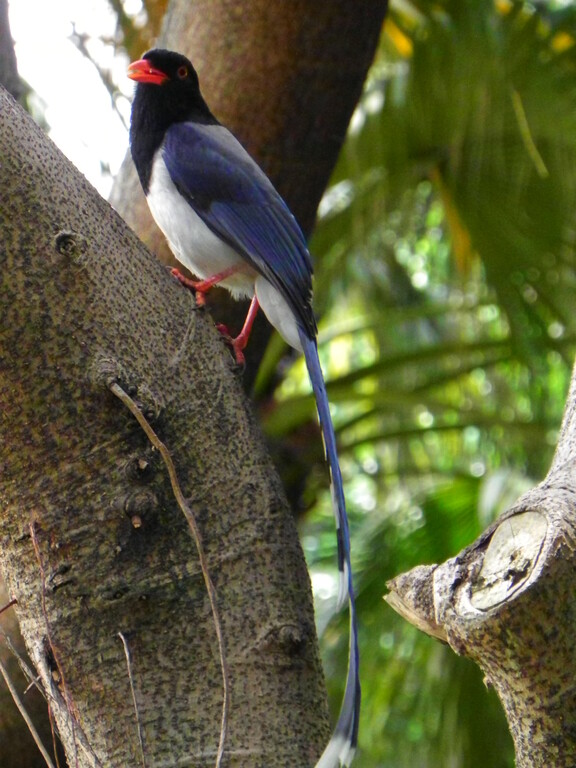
[(225, 221)]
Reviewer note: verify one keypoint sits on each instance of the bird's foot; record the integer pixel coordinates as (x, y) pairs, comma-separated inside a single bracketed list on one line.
[(199, 287), (237, 343)]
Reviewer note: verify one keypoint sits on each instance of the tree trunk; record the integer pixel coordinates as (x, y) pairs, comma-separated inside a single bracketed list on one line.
[(111, 598), (507, 602)]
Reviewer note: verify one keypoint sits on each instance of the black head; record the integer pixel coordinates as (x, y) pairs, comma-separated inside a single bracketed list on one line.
[(168, 83), (167, 92)]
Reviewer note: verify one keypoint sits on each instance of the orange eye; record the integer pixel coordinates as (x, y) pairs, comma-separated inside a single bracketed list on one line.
[(182, 72)]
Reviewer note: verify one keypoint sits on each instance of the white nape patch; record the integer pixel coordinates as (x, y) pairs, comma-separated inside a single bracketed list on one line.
[(338, 752), (192, 242), (276, 309)]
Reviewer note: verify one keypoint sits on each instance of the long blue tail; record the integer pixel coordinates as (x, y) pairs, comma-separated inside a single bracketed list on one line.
[(340, 749)]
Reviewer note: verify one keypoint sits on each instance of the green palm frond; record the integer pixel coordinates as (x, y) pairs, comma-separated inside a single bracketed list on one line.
[(484, 108)]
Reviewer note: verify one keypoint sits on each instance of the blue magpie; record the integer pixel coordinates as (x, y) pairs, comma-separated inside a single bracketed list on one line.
[(227, 224)]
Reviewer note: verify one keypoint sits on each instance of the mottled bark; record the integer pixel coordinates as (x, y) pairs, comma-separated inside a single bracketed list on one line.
[(92, 542), (507, 601), (17, 747)]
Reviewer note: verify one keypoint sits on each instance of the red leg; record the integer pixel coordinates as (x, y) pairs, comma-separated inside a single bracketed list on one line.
[(201, 287), (239, 343)]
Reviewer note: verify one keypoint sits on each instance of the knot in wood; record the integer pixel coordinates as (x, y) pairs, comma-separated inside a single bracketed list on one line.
[(141, 505), (73, 245)]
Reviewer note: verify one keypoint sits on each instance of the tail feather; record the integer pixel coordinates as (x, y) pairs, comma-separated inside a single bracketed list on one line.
[(340, 749)]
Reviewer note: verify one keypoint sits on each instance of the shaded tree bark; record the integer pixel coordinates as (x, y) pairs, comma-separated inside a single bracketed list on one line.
[(507, 602), (17, 746)]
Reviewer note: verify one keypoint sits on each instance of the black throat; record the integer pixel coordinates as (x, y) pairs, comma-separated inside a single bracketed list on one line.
[(154, 109)]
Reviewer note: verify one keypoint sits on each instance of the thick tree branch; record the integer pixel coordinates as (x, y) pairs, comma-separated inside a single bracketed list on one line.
[(93, 543), (507, 601)]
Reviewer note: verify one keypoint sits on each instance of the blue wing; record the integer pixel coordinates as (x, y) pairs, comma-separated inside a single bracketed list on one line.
[(238, 202)]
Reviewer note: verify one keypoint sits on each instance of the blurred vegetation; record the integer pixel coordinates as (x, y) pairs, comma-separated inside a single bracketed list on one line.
[(445, 280)]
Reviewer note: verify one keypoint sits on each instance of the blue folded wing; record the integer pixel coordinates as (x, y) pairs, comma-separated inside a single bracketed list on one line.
[(237, 201)]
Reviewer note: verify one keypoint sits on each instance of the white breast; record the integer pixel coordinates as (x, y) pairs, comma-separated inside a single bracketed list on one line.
[(192, 242), (204, 254)]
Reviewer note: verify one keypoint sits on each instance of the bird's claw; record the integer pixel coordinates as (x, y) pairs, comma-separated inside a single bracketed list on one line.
[(237, 344), (192, 285)]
